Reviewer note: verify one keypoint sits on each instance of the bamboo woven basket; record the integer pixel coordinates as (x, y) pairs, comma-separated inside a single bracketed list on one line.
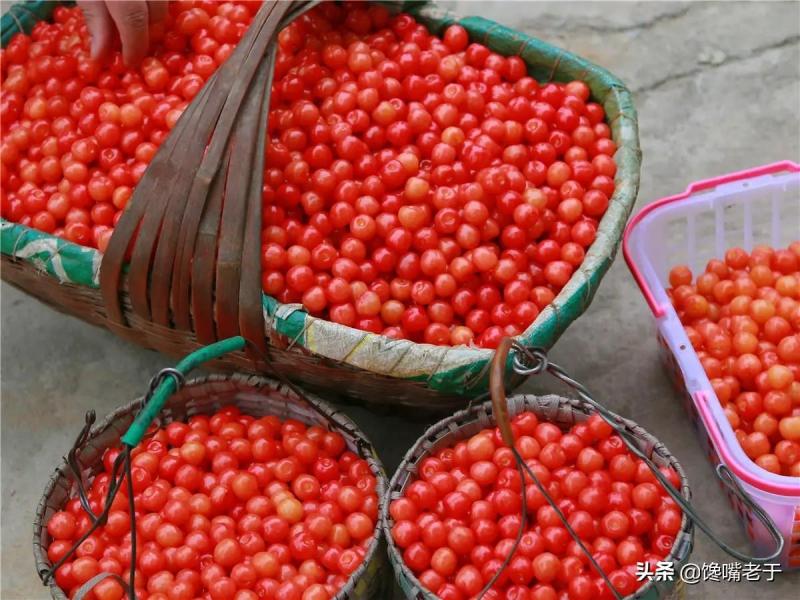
[(563, 412), (376, 371), (255, 396)]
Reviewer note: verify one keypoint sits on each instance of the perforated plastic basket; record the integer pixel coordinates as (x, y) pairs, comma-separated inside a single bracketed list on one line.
[(757, 206)]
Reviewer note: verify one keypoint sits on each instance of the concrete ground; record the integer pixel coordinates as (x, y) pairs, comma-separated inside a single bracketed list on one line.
[(717, 87)]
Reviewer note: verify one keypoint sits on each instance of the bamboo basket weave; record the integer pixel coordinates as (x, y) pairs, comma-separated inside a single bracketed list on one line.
[(254, 396), (563, 412), (376, 371)]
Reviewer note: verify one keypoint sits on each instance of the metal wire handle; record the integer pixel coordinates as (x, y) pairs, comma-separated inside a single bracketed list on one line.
[(123, 463), (166, 382), (74, 464), (500, 413), (180, 379), (539, 363)]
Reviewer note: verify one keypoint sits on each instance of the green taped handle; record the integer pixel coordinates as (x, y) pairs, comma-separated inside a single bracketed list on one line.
[(168, 386)]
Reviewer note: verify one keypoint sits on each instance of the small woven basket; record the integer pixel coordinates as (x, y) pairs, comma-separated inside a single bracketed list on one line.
[(254, 396), (561, 411)]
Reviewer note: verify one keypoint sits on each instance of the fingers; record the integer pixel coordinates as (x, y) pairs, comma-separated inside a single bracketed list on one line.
[(131, 18), (101, 27)]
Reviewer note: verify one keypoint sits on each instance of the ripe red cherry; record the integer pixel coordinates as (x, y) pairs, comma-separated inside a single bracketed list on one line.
[(738, 316), (456, 523)]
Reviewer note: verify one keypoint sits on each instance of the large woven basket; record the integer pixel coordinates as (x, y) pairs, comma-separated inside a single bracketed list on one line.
[(369, 368), (563, 412), (254, 396)]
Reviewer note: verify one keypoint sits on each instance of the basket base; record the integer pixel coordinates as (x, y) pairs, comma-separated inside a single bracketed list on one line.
[(337, 381)]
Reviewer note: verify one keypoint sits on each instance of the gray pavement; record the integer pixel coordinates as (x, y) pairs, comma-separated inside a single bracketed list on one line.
[(717, 87)]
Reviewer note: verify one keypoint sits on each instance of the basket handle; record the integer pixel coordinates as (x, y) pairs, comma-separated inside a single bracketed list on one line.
[(698, 186), (717, 439), (539, 363), (168, 385), (88, 586), (501, 417), (167, 381), (177, 210), (497, 390)]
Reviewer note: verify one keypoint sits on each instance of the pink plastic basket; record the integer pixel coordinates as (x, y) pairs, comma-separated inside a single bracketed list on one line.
[(760, 205)]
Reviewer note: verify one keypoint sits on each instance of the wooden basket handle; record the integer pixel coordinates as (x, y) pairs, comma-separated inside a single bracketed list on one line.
[(191, 233)]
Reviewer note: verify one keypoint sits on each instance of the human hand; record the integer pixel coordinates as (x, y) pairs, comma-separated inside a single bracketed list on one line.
[(130, 18)]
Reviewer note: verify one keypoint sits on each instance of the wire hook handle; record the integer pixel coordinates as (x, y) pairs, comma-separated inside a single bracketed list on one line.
[(533, 361)]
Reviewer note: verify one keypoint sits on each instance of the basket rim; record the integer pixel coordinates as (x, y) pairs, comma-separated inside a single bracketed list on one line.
[(446, 369), (455, 424), (259, 383)]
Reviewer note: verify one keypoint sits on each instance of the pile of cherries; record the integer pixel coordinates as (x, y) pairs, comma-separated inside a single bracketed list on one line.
[(457, 523), (227, 507), (420, 187), (742, 316)]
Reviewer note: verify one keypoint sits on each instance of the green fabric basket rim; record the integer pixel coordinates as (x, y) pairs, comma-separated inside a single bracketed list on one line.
[(451, 370)]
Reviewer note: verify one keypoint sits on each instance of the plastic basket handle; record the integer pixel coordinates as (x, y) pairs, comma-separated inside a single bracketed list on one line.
[(705, 184), (540, 364), (693, 188)]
